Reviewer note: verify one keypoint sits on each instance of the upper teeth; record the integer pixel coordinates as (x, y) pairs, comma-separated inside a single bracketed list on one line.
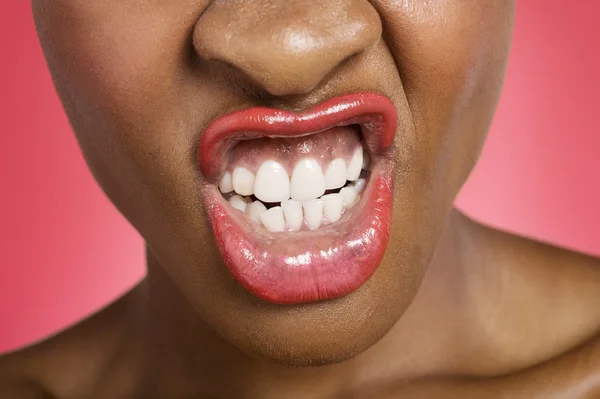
[(355, 166), (336, 174), (273, 184), (226, 185), (308, 181), (243, 181)]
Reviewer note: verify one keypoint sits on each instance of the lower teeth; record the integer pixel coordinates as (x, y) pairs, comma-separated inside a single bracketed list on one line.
[(291, 215)]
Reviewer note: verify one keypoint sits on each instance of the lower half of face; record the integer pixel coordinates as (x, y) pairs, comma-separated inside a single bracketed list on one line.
[(291, 166)]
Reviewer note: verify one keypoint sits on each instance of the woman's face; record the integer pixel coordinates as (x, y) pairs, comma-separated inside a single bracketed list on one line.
[(142, 80)]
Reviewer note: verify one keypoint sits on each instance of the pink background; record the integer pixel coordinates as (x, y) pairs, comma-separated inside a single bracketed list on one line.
[(65, 252)]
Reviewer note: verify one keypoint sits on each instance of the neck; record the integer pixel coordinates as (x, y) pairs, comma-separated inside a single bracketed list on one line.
[(185, 357)]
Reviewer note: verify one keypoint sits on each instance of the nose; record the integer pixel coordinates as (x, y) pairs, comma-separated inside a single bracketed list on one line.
[(288, 47)]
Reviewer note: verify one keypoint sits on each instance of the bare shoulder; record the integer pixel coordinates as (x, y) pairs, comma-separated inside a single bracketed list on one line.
[(545, 300), (68, 364), (559, 276)]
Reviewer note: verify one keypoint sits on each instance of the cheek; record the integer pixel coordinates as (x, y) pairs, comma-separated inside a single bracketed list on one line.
[(110, 58), (118, 70), (451, 56)]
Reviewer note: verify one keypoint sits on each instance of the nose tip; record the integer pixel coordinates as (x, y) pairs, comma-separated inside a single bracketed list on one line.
[(288, 47)]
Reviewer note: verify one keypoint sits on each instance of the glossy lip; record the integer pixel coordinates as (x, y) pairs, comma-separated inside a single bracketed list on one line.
[(319, 265)]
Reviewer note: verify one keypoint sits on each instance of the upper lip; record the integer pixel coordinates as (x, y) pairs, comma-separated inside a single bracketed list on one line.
[(373, 112)]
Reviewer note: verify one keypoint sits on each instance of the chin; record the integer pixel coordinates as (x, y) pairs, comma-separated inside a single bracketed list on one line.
[(314, 333)]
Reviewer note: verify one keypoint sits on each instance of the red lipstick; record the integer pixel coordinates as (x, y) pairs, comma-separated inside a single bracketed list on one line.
[(291, 268)]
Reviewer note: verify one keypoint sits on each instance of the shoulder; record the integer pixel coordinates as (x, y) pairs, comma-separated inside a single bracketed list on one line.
[(544, 300), (553, 276), (68, 364)]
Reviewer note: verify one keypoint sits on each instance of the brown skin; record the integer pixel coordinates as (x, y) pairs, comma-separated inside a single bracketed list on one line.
[(454, 310)]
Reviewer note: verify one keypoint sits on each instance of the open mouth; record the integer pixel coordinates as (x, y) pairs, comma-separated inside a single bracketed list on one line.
[(300, 204), (296, 184)]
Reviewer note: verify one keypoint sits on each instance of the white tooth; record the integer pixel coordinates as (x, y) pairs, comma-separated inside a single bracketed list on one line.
[(272, 182), (225, 185), (292, 210), (307, 180), (366, 161), (243, 181), (238, 202), (255, 209), (313, 213), (335, 176), (355, 165), (273, 219), (359, 184), (349, 195), (332, 207)]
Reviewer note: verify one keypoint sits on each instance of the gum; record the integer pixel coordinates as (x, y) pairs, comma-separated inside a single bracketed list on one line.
[(338, 142)]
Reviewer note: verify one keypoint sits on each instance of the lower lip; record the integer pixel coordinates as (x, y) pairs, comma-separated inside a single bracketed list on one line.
[(315, 266)]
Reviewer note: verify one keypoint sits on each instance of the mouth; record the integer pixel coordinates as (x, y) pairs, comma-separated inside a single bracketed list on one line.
[(300, 204)]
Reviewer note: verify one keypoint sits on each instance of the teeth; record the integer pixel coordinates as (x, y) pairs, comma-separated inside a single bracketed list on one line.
[(302, 197), (308, 181), (359, 184), (335, 176), (332, 207), (273, 219), (255, 209), (225, 185), (272, 183), (366, 161), (243, 181), (349, 195), (292, 210), (313, 213), (238, 202), (355, 165)]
